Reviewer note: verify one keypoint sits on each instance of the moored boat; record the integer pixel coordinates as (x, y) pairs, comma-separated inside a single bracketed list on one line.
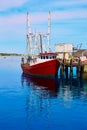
[(44, 63)]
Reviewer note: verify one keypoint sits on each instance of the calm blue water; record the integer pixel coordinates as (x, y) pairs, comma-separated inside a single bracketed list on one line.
[(28, 103)]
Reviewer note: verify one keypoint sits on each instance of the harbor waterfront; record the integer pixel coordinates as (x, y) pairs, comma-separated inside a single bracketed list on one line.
[(29, 103)]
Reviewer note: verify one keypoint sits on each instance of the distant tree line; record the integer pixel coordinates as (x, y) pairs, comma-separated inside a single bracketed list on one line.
[(10, 54)]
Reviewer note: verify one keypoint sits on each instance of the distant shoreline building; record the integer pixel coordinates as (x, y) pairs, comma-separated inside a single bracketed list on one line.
[(64, 50), (82, 54)]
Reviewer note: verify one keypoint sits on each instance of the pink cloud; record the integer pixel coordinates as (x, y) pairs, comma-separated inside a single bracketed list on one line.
[(6, 4)]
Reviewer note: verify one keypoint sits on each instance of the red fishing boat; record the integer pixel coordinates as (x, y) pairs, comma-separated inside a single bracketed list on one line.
[(45, 62)]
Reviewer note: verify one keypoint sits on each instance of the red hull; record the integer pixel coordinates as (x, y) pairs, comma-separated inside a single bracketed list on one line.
[(48, 68)]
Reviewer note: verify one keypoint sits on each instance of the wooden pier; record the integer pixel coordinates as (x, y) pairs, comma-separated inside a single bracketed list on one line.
[(66, 68)]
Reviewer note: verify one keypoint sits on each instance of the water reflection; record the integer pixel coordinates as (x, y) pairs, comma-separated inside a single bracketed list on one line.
[(47, 87), (38, 102), (54, 87), (49, 99)]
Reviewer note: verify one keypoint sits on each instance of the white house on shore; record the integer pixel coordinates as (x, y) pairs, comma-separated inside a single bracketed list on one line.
[(64, 50)]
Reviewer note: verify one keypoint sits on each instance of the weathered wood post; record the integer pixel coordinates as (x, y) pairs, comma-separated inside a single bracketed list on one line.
[(66, 71), (78, 68), (81, 71), (63, 65), (71, 71), (62, 68)]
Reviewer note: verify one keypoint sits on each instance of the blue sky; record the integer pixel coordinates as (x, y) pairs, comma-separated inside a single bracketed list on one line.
[(68, 22)]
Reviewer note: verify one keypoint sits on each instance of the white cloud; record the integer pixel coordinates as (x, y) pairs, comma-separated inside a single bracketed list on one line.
[(38, 18), (58, 15), (12, 26), (6, 4), (13, 19)]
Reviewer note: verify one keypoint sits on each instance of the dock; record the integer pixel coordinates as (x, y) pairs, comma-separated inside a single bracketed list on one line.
[(66, 68)]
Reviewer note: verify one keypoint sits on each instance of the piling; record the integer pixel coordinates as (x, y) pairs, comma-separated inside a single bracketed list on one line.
[(64, 68), (66, 71), (71, 68)]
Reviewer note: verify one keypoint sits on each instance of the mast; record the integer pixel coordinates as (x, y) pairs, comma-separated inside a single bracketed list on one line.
[(49, 29), (29, 35), (41, 42), (32, 39)]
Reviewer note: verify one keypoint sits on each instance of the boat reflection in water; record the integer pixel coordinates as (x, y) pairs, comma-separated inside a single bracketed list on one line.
[(51, 101), (40, 94), (53, 87), (46, 87)]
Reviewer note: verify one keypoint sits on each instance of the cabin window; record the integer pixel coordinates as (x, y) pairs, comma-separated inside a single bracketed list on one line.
[(46, 57), (41, 57), (54, 57), (50, 57)]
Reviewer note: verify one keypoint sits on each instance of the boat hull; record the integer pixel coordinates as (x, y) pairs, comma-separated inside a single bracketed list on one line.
[(48, 68)]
